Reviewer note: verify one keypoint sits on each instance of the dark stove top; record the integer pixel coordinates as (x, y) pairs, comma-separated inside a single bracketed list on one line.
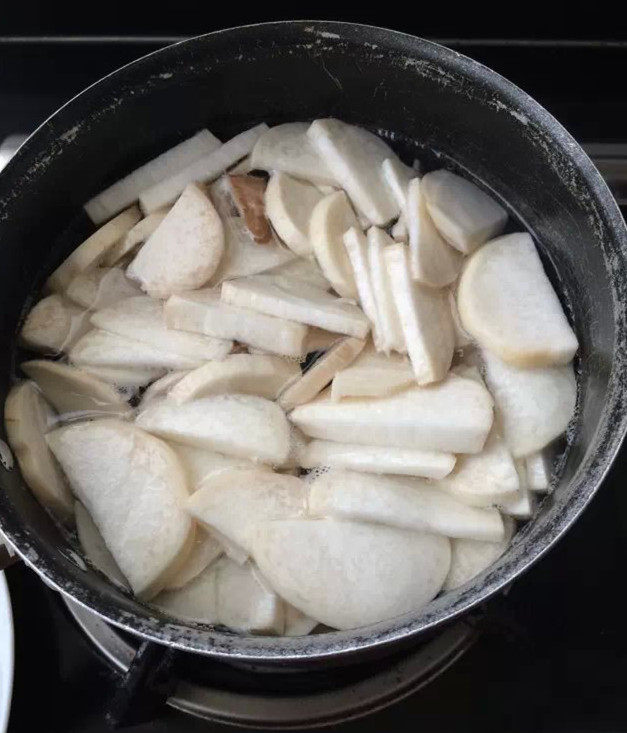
[(552, 652)]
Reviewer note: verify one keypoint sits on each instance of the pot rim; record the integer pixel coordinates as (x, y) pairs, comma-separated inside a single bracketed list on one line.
[(535, 539)]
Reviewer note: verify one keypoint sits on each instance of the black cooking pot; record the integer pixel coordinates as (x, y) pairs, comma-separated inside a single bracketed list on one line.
[(422, 97)]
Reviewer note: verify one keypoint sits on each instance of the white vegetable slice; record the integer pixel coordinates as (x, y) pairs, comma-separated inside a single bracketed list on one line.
[(133, 487), (243, 256), (471, 557), (397, 176), (162, 386), (71, 390), (302, 269), (248, 196), (243, 167), (202, 462), (340, 355), (124, 192), (27, 418), (538, 472), (464, 215), (296, 622), (320, 340), (376, 459), (201, 170), (204, 551), (101, 348), (409, 504), (142, 319), (330, 218), (92, 251), (95, 548), (462, 338), (256, 374), (390, 328), (185, 249), (425, 318), (203, 311), (296, 301), (53, 325), (287, 148), (521, 506), (136, 236), (485, 478), (373, 374), (124, 377), (235, 502), (101, 287), (454, 416), (534, 405), (357, 248), (349, 574), (508, 304), (195, 601), (355, 156), (239, 425), (399, 230), (433, 262), (289, 204)]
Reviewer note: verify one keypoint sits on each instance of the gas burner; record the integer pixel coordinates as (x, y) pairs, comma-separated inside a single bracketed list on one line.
[(245, 695)]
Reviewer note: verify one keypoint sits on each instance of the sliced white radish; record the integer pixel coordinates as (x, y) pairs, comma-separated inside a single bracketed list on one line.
[(521, 506), (195, 601), (296, 301), (409, 504), (355, 156), (297, 623), (508, 304), (101, 348), (356, 246), (234, 502), (464, 215), (91, 252), (127, 190), (204, 551), (27, 419), (373, 374), (101, 287), (454, 416), (298, 440), (390, 329), (396, 176), (485, 478), (94, 547), (71, 390), (376, 459), (471, 557), (243, 167), (185, 249), (256, 374), (133, 487), (316, 378), (202, 462), (289, 204), (320, 340), (330, 218), (538, 472), (302, 269), (136, 236), (141, 319), (425, 319), (287, 148), (534, 405), (162, 386), (248, 196), (201, 170), (462, 337), (203, 311), (349, 574), (239, 425), (399, 230), (124, 377), (433, 262), (53, 325)]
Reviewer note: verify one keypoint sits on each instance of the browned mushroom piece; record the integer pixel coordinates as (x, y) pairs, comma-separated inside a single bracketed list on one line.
[(248, 196)]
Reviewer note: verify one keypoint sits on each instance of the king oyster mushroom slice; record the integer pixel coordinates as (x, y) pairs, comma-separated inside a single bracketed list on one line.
[(234, 502), (135, 236), (53, 325), (199, 463), (350, 574), (245, 426), (204, 551), (101, 287), (95, 548), (133, 487), (124, 377), (373, 374), (538, 472), (507, 303), (302, 269), (357, 248), (203, 311), (92, 251), (407, 503), (27, 418), (185, 249)]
